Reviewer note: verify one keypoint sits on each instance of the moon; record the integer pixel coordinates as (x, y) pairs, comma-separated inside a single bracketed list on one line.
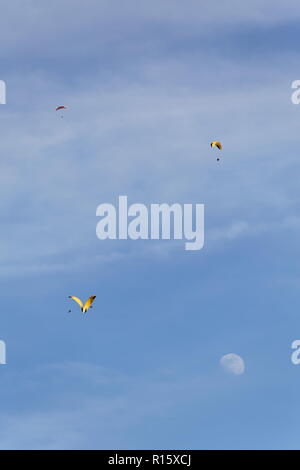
[(233, 363)]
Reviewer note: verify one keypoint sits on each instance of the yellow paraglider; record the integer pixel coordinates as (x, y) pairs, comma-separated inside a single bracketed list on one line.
[(84, 308), (217, 144)]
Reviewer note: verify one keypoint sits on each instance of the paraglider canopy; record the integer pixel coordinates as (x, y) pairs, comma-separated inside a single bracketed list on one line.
[(216, 144), (83, 307)]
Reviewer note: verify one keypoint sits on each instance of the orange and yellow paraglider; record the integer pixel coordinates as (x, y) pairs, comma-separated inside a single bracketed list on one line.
[(217, 144), (83, 307)]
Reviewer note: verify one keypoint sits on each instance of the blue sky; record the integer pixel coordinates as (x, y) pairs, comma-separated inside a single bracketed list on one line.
[(149, 86)]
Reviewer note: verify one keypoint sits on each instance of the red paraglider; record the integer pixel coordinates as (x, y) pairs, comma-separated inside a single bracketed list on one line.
[(61, 108)]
